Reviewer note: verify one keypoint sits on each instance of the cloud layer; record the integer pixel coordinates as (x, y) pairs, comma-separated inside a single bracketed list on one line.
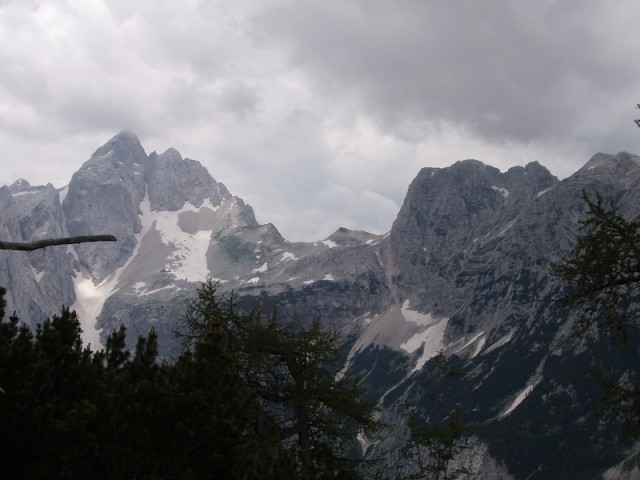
[(318, 113)]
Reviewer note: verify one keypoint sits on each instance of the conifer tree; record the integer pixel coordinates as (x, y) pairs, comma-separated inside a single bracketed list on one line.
[(300, 407), (600, 280)]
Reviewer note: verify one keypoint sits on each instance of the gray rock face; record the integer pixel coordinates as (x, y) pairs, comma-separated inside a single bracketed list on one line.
[(447, 213), (173, 181), (104, 198), (37, 280)]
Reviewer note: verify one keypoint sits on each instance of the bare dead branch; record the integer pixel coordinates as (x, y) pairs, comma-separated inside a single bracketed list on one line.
[(49, 242)]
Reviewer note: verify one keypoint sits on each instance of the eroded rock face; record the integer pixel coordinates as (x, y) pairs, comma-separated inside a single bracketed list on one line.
[(446, 215), (104, 198), (38, 280), (173, 181)]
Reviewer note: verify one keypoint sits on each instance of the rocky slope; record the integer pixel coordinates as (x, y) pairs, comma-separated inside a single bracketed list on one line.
[(464, 271)]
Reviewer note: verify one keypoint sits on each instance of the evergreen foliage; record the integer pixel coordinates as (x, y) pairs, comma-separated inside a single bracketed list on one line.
[(288, 376), (249, 397), (434, 444), (600, 279)]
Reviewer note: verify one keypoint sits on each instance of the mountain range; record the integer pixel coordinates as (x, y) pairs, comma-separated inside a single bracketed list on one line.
[(464, 273)]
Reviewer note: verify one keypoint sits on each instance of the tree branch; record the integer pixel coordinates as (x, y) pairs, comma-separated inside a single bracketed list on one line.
[(48, 242)]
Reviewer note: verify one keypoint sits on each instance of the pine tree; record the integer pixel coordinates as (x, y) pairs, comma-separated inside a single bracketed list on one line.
[(436, 444), (600, 280), (249, 398), (302, 413)]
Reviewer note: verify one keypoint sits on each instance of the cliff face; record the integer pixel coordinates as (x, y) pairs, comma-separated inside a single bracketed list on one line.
[(448, 216), (36, 281)]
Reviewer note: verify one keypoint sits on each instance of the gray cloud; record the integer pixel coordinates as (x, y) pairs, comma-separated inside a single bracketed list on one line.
[(318, 113), (506, 71)]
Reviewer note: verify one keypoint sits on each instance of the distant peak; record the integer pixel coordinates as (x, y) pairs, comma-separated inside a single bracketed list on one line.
[(125, 147), (625, 159), (171, 153), (127, 135), (344, 236), (471, 161), (20, 184)]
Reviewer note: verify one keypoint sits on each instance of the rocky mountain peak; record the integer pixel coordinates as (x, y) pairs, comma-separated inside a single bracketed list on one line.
[(445, 214), (104, 197), (19, 185), (106, 194), (611, 167), (172, 181), (344, 236), (124, 148)]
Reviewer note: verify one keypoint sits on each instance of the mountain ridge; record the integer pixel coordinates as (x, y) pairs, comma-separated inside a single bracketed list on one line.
[(464, 272)]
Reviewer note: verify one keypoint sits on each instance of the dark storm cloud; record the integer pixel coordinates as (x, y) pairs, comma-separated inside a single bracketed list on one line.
[(514, 71)]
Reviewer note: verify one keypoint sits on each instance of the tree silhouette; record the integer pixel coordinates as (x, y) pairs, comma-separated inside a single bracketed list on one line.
[(49, 242), (600, 280)]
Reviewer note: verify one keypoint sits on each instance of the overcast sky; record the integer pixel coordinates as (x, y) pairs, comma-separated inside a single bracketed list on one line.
[(318, 113)]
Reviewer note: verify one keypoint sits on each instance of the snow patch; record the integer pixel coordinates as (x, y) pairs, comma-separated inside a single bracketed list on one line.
[(505, 230), (518, 400), (499, 343), (253, 280), (543, 192), (261, 269), (503, 191), (479, 341), (286, 256), (25, 192), (329, 243), (430, 339), (188, 261), (403, 329), (62, 193), (328, 277), (90, 299), (37, 275), (478, 348), (140, 289)]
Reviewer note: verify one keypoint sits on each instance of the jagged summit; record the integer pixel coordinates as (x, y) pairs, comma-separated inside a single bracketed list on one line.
[(622, 162), (124, 147), (345, 236), (20, 184)]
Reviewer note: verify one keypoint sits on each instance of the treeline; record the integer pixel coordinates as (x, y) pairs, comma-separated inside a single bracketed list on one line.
[(249, 397)]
